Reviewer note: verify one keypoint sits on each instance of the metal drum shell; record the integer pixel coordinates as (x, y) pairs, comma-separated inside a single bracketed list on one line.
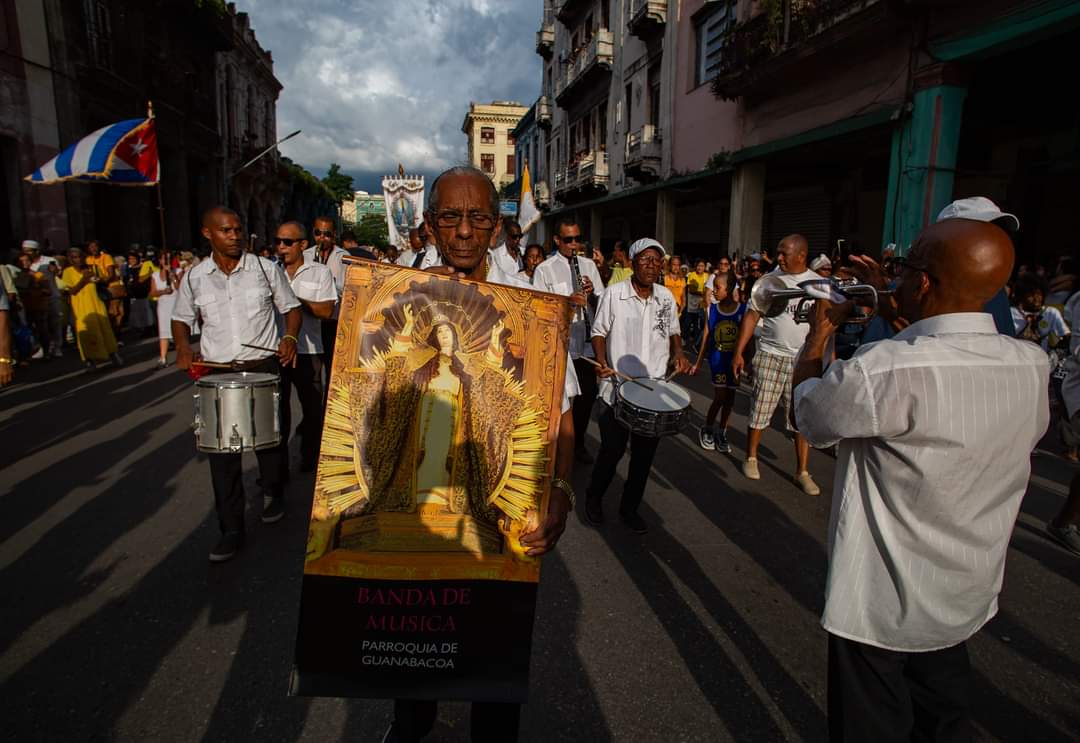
[(646, 421), (244, 402)]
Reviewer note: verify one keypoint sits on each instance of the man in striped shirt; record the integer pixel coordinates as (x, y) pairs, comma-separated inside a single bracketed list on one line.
[(934, 428)]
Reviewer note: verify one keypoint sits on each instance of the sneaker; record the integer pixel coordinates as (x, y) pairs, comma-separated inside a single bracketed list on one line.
[(57, 353), (722, 444), (705, 438), (1068, 536), (594, 511), (227, 547), (273, 510), (634, 523), (807, 483), (162, 363), (749, 468)]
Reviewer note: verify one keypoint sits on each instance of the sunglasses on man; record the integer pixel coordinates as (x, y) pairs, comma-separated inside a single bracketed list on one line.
[(571, 239), (287, 241), (323, 233)]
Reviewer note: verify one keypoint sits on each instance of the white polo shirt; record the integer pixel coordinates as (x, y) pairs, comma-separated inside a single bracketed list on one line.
[(334, 261), (235, 308), (553, 276), (638, 332), (312, 282)]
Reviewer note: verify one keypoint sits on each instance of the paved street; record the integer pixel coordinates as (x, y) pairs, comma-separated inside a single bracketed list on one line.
[(115, 627)]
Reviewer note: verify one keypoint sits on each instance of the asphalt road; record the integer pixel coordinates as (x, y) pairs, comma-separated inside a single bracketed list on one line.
[(115, 626)]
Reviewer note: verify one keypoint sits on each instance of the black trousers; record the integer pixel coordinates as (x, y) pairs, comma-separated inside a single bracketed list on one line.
[(887, 696), (329, 335), (226, 470), (613, 438), (490, 722), (306, 379), (583, 403)]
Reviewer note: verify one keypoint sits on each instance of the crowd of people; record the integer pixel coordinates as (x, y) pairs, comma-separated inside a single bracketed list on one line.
[(924, 473)]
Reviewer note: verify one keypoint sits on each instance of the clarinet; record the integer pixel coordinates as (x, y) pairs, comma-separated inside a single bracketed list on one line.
[(575, 276)]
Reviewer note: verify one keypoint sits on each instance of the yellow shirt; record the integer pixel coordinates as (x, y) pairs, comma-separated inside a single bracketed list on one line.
[(619, 273), (677, 286)]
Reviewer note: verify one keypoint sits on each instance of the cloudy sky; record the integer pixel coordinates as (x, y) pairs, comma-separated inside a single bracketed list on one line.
[(376, 82)]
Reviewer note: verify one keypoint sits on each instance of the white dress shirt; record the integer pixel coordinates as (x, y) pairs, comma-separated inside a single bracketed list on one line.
[(638, 332), (336, 265), (553, 276), (935, 429), (507, 263), (312, 282), (235, 308), (571, 387)]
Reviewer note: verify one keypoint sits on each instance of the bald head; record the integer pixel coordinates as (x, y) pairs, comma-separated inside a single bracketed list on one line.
[(962, 264), (214, 214), (792, 253)]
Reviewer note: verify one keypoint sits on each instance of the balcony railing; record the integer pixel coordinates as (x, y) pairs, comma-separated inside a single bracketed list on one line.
[(545, 40), (763, 38), (541, 194), (592, 170), (598, 54), (643, 153), (647, 18), (543, 111)]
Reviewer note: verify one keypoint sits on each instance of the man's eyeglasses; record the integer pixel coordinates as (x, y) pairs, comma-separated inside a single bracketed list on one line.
[(650, 261), (571, 239), (323, 233), (512, 236), (899, 263), (478, 220), (286, 241)]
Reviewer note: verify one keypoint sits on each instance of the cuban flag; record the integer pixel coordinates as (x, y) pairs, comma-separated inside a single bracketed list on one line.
[(124, 153)]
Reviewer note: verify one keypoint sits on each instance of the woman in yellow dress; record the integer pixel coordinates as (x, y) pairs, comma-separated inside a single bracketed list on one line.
[(93, 331)]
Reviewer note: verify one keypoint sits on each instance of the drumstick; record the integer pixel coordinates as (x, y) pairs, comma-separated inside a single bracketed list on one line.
[(618, 373), (259, 348), (211, 365)]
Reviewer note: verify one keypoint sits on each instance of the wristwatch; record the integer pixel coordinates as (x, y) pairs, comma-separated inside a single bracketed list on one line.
[(563, 485)]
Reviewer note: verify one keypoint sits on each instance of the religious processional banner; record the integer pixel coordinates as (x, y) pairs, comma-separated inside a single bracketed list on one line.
[(437, 455), (403, 196)]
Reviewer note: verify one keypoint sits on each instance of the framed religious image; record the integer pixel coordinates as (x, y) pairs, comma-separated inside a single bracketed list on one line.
[(437, 454)]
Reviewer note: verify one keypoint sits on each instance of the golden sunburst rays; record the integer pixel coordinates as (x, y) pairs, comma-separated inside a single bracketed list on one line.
[(473, 312), (522, 483), (339, 484)]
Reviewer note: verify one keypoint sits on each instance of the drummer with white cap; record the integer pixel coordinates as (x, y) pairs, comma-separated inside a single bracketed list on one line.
[(636, 333)]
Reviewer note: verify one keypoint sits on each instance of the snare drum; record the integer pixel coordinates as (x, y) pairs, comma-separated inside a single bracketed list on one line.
[(659, 411), (238, 411)]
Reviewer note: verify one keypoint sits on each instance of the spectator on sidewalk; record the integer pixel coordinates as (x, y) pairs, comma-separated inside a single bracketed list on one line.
[(137, 283), (52, 341), (163, 286), (534, 256)]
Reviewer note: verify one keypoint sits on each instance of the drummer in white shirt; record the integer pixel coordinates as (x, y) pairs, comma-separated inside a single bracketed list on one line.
[(553, 275), (636, 333), (235, 295), (313, 285)]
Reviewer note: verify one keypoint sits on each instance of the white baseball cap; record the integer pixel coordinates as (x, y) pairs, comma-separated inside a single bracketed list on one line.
[(980, 209), (643, 244), (820, 262), (31, 245)]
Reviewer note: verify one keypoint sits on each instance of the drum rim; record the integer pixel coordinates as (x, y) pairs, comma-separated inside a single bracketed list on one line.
[(624, 382), (224, 381)]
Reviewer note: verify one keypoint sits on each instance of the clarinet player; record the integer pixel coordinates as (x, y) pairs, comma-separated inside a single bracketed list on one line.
[(581, 282)]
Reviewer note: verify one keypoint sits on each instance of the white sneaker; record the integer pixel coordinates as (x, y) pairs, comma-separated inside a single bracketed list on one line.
[(57, 353), (750, 469), (807, 483)]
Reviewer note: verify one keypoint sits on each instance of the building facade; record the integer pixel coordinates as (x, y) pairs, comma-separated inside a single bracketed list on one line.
[(719, 126), (362, 205), (247, 94), (489, 130)]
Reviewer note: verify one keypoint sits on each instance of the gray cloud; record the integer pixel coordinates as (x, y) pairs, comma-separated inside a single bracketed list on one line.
[(372, 84)]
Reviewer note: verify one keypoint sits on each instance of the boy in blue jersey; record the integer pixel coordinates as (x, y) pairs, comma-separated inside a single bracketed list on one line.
[(718, 340)]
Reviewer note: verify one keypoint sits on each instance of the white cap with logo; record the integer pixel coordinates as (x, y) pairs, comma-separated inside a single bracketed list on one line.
[(643, 244), (980, 209), (30, 245)]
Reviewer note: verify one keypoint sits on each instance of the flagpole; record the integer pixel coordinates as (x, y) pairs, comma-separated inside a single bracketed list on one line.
[(157, 186)]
